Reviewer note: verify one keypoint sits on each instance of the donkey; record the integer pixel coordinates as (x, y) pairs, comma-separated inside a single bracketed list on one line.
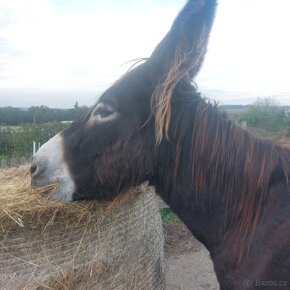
[(230, 187)]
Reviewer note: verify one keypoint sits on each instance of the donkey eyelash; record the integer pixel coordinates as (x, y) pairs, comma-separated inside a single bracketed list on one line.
[(103, 112)]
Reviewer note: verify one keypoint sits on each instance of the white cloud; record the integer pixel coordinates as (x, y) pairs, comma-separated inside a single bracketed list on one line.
[(249, 48), (55, 44)]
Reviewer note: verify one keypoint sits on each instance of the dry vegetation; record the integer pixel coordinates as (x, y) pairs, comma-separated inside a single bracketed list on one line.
[(86, 245)]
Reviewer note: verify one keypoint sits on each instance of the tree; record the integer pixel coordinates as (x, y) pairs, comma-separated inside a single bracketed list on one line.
[(266, 113), (40, 114)]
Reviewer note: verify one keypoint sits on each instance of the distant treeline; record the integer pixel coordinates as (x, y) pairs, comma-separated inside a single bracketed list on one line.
[(265, 113), (20, 127), (12, 116), (16, 141)]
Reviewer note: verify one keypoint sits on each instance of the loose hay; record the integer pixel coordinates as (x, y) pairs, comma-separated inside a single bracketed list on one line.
[(86, 245)]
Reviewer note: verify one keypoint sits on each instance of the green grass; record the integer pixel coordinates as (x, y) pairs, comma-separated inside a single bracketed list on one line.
[(263, 132), (270, 134), (167, 215)]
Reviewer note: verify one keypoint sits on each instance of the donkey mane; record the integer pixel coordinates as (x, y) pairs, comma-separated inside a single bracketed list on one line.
[(241, 166), (225, 158)]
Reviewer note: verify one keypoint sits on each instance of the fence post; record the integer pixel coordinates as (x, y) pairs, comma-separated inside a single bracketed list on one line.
[(3, 164), (33, 148), (244, 124)]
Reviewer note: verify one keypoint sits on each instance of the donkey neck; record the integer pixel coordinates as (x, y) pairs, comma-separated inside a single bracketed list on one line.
[(175, 181), (201, 216)]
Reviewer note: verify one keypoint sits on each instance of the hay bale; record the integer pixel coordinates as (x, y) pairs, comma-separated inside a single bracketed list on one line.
[(85, 245)]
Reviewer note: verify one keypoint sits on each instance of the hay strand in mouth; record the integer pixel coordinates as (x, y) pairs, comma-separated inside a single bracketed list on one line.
[(22, 204)]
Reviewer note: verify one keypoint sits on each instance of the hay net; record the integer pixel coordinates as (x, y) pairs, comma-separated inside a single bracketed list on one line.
[(84, 245)]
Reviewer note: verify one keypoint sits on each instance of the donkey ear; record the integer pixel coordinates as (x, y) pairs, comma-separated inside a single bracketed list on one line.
[(183, 48), (179, 56)]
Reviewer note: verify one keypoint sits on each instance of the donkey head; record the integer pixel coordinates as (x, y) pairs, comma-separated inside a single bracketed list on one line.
[(115, 146)]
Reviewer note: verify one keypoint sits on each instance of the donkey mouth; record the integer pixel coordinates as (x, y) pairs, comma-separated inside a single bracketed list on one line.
[(57, 190), (48, 168)]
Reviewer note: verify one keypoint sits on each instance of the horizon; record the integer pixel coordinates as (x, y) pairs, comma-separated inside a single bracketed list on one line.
[(82, 52), (248, 102), (230, 98)]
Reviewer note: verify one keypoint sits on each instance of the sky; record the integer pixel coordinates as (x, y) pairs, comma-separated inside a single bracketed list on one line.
[(57, 52)]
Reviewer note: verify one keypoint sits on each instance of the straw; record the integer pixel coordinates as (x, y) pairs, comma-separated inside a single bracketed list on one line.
[(83, 245)]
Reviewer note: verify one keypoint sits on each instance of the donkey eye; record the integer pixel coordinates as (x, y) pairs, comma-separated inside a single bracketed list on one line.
[(103, 112)]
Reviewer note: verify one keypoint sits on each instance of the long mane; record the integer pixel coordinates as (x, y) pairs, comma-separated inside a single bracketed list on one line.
[(238, 164), (226, 159)]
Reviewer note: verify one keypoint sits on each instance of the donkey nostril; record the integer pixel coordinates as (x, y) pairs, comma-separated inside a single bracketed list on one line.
[(33, 168), (38, 167)]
